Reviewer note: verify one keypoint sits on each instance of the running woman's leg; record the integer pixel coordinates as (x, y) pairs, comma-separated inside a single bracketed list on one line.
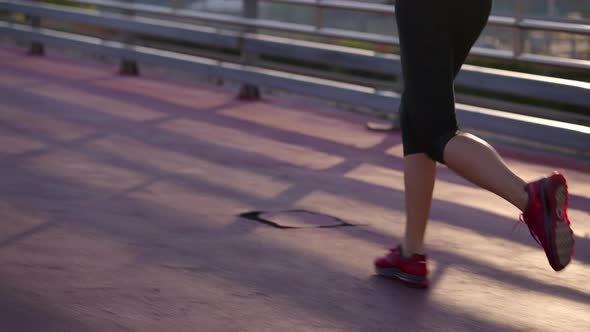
[(427, 119), (419, 177), (477, 161), (453, 40), (427, 107), (543, 202), (466, 154)]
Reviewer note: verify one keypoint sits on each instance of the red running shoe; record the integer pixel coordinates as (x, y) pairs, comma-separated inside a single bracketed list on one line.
[(411, 271), (546, 217)]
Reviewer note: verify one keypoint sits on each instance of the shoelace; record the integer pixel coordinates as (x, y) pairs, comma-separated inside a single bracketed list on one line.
[(520, 222)]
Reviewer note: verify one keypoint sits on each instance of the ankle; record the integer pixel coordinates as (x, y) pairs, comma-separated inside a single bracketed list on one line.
[(524, 200), (409, 253)]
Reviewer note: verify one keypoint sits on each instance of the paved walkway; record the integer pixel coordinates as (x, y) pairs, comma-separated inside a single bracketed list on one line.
[(120, 200)]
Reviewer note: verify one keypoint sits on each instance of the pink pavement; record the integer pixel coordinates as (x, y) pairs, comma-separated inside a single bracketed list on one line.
[(120, 200)]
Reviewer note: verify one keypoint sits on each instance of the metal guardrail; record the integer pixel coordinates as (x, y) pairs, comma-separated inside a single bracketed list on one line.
[(550, 89), (249, 72), (341, 5), (518, 24)]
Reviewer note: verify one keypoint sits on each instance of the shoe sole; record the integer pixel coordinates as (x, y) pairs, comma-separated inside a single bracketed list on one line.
[(560, 239), (408, 279)]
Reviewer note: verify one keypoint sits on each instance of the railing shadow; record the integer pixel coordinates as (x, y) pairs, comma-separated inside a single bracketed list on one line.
[(167, 220)]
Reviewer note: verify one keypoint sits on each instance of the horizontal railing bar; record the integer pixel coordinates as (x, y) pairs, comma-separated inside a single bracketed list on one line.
[(333, 55), (341, 5), (552, 26), (582, 65), (557, 133), (544, 60), (525, 85), (502, 21)]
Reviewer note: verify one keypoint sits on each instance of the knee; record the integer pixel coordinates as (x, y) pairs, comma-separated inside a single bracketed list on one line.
[(436, 145), (429, 137)]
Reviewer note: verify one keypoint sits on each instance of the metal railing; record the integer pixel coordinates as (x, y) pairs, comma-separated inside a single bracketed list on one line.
[(519, 25), (249, 69)]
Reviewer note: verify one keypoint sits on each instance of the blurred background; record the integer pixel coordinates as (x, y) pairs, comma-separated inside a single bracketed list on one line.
[(557, 44)]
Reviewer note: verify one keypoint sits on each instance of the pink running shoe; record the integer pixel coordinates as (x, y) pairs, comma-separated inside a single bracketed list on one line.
[(546, 217), (411, 271)]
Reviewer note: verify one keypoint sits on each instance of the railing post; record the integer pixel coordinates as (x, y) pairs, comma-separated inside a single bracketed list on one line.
[(319, 15), (36, 47), (128, 66), (518, 33), (250, 11)]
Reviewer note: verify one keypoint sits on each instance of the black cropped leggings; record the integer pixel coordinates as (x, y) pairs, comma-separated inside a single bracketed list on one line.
[(435, 39)]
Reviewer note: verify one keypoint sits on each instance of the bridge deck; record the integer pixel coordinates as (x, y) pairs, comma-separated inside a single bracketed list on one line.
[(120, 200)]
